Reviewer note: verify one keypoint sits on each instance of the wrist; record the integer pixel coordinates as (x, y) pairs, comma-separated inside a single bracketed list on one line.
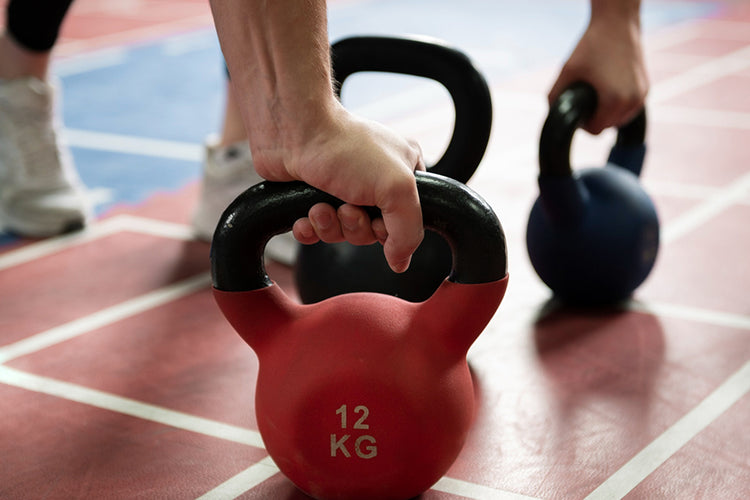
[(283, 126), (616, 12)]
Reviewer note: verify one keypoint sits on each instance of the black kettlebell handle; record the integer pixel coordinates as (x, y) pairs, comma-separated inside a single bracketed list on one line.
[(437, 61), (571, 109), (449, 208)]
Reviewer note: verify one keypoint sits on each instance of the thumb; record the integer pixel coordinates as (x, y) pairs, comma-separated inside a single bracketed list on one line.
[(404, 231)]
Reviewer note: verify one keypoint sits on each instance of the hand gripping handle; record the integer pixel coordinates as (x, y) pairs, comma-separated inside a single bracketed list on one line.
[(574, 106), (433, 59), (449, 208)]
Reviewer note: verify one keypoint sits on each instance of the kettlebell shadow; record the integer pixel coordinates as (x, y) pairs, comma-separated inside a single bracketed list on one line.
[(190, 259), (298, 495), (597, 360), (295, 494), (588, 351), (193, 258)]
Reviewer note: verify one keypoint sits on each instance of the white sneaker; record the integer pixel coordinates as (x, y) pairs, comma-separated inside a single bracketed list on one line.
[(40, 192), (227, 172)]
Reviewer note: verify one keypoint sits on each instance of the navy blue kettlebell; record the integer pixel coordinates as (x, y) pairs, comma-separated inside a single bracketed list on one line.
[(324, 270), (593, 234)]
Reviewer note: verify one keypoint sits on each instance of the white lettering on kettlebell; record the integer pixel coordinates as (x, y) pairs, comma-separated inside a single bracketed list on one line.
[(339, 445), (359, 424), (370, 449), (342, 411)]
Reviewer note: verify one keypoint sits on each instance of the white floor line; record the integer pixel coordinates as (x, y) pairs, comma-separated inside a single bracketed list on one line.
[(127, 406), (681, 189), (713, 118), (701, 75), (156, 227), (399, 105), (721, 29), (191, 41), (95, 231), (238, 484), (243, 482), (669, 442), (673, 35), (690, 313), (119, 143), (49, 246), (104, 317), (266, 468), (689, 30), (476, 491), (91, 61), (707, 210), (414, 123)]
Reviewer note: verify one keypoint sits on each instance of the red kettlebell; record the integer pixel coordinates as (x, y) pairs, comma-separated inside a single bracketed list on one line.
[(362, 395)]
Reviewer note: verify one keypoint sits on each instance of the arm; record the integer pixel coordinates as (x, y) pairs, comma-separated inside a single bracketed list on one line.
[(278, 55), (609, 56)]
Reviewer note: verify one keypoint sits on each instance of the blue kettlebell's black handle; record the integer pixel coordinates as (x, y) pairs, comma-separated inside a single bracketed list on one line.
[(629, 151), (449, 208), (437, 61), (571, 109)]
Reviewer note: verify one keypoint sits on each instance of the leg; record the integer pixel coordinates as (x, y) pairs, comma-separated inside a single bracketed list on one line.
[(31, 32), (227, 171), (16, 61), (233, 129), (40, 192)]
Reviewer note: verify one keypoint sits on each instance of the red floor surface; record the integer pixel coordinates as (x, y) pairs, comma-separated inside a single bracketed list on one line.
[(119, 377)]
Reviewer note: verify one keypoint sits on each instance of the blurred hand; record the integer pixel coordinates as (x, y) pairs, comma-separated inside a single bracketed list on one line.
[(608, 56)]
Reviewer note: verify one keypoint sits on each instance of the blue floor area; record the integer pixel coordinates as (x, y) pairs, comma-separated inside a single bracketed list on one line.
[(131, 179), (173, 89), (153, 93)]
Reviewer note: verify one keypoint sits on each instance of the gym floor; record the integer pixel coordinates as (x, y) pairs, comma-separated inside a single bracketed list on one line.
[(119, 378)]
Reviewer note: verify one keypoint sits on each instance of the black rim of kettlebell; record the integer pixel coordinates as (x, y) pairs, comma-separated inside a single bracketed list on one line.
[(572, 108), (449, 208), (437, 61)]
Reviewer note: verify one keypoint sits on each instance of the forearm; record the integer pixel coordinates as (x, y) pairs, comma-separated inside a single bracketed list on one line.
[(278, 56), (277, 52)]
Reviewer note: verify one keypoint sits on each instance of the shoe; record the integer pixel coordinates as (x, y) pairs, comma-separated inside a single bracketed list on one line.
[(227, 172), (40, 192)]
